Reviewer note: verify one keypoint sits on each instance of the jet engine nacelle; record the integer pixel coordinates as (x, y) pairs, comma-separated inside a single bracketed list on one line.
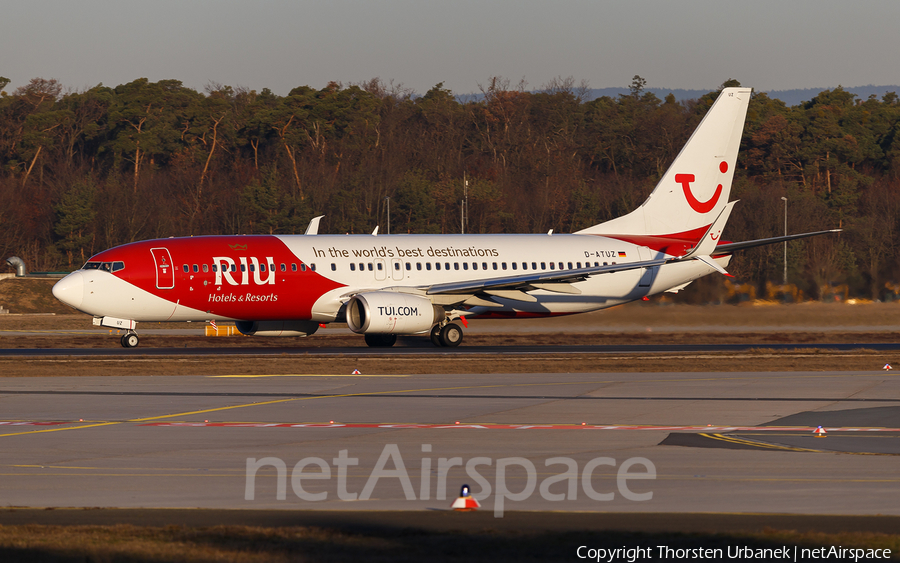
[(384, 312), (276, 328)]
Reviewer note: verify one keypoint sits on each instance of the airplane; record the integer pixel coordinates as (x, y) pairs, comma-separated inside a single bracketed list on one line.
[(388, 285)]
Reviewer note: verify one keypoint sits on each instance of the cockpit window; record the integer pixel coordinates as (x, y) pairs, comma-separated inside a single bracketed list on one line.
[(105, 266)]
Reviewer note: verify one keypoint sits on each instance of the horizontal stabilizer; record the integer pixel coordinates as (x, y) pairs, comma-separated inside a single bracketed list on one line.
[(712, 264), (730, 247)]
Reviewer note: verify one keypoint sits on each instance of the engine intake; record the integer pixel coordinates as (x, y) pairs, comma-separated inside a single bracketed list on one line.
[(277, 328), (384, 312)]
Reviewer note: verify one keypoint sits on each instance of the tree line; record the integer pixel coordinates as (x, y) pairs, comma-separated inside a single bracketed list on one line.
[(81, 171)]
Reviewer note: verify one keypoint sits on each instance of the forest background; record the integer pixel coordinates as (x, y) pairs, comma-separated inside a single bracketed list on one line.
[(82, 171)]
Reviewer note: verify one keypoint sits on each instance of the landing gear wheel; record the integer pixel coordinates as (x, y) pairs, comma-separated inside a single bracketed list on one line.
[(130, 340), (381, 340), (436, 335), (451, 335)]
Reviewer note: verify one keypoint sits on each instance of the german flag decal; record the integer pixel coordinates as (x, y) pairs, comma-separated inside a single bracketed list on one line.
[(621, 254)]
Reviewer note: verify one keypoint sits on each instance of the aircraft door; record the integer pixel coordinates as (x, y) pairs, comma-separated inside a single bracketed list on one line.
[(165, 270), (397, 269), (380, 270)]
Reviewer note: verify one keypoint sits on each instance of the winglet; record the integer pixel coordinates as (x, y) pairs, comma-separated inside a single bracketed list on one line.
[(710, 239), (313, 227)]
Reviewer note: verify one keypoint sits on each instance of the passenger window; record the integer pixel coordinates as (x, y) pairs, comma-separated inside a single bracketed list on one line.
[(484, 265), (456, 265), (370, 266), (534, 265), (408, 266), (186, 269), (418, 265), (503, 265), (578, 265), (233, 267), (380, 266), (243, 267), (397, 266), (474, 265), (543, 265), (524, 265), (570, 265), (333, 267), (215, 268), (428, 266), (196, 268), (495, 265), (205, 268), (446, 265), (515, 266), (272, 267), (294, 267), (252, 267), (352, 267), (262, 268), (552, 265), (312, 267), (437, 265), (604, 263)]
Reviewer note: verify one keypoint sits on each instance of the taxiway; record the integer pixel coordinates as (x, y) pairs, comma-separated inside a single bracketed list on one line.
[(683, 442)]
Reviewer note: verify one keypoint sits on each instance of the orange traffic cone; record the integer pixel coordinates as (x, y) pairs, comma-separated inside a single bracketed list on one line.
[(820, 432), (466, 502)]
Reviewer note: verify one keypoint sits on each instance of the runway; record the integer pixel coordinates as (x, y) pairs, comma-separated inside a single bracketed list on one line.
[(596, 442), (421, 347)]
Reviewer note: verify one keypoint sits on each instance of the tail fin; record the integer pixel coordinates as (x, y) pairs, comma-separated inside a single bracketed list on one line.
[(695, 189)]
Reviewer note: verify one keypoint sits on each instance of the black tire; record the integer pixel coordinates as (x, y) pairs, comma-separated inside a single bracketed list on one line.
[(451, 335), (436, 335), (130, 340), (381, 340)]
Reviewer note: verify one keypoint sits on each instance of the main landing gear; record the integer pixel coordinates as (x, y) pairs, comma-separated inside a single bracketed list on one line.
[(130, 339), (450, 335)]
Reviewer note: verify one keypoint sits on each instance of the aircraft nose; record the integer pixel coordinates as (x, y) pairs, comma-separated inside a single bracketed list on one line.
[(70, 289)]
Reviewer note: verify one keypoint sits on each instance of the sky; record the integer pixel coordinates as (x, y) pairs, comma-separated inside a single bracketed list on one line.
[(416, 44)]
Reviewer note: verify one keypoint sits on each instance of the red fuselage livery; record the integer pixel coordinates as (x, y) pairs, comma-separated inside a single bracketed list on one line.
[(226, 277)]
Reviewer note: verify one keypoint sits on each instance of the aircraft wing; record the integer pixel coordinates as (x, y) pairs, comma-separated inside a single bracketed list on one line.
[(538, 279), (558, 281), (730, 247)]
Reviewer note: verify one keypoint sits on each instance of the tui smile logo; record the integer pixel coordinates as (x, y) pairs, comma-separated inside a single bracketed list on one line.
[(237, 246), (697, 205)]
